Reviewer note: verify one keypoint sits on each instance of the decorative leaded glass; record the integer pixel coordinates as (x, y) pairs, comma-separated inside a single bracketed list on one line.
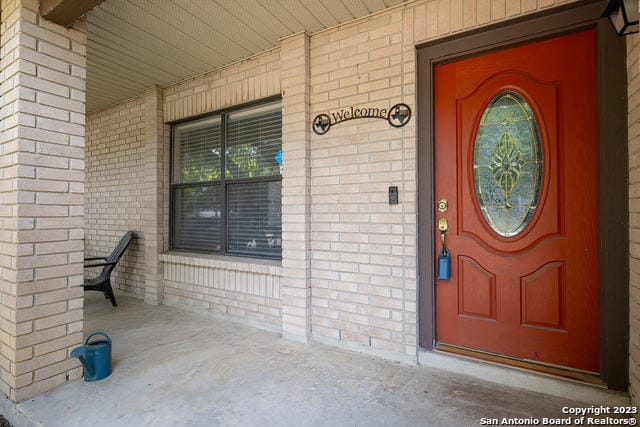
[(507, 164)]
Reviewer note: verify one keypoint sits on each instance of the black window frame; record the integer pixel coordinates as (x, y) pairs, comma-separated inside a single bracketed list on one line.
[(223, 183)]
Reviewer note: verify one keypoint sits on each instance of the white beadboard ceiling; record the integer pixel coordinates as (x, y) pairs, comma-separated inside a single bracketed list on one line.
[(135, 44)]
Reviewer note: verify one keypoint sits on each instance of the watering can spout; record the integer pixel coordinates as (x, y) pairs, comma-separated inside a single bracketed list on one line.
[(79, 353)]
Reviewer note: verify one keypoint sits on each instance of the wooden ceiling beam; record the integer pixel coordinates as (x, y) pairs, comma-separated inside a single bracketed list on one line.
[(65, 12)]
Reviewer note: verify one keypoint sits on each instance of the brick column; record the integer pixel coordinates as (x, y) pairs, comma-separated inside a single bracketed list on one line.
[(42, 129), (295, 285), (153, 208)]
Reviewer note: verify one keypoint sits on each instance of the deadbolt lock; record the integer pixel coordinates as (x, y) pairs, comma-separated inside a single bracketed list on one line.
[(443, 205)]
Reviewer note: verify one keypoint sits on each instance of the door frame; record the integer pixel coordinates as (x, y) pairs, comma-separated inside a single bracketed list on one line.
[(612, 179)]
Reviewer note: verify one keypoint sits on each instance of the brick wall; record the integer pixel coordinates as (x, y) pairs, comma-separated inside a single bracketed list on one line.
[(633, 76), (244, 290), (296, 198), (42, 137), (233, 85), (114, 194), (362, 248), (156, 194)]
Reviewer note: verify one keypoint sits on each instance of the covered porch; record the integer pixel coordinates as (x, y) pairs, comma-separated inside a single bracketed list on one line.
[(176, 367), (88, 151)]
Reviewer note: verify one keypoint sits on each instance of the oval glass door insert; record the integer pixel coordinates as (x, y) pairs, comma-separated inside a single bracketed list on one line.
[(507, 164)]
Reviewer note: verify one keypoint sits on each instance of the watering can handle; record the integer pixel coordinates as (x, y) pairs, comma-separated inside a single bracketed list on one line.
[(86, 342)]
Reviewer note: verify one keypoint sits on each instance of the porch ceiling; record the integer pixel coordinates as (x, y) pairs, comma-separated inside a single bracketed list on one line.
[(135, 44)]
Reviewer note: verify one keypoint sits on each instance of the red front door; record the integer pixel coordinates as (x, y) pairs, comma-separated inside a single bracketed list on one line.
[(515, 159)]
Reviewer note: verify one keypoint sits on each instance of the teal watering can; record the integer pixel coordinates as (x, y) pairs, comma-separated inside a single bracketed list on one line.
[(95, 357)]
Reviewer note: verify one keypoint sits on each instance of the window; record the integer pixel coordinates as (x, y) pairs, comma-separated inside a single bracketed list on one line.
[(239, 211), (507, 164)]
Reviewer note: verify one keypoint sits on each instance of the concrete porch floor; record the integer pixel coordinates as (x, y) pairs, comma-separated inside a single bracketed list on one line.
[(178, 368)]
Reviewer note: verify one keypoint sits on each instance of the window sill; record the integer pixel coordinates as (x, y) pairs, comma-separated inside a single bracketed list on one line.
[(249, 265)]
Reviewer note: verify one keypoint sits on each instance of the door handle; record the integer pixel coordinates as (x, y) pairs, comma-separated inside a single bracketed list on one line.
[(443, 226)]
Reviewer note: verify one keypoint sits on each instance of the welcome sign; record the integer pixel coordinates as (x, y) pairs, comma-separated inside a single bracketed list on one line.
[(397, 116)]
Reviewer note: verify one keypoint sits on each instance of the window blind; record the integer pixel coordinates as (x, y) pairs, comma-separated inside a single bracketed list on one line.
[(196, 218), (196, 151), (253, 137), (254, 218)]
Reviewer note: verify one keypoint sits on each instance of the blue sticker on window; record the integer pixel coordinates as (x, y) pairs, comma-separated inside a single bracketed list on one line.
[(278, 157)]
